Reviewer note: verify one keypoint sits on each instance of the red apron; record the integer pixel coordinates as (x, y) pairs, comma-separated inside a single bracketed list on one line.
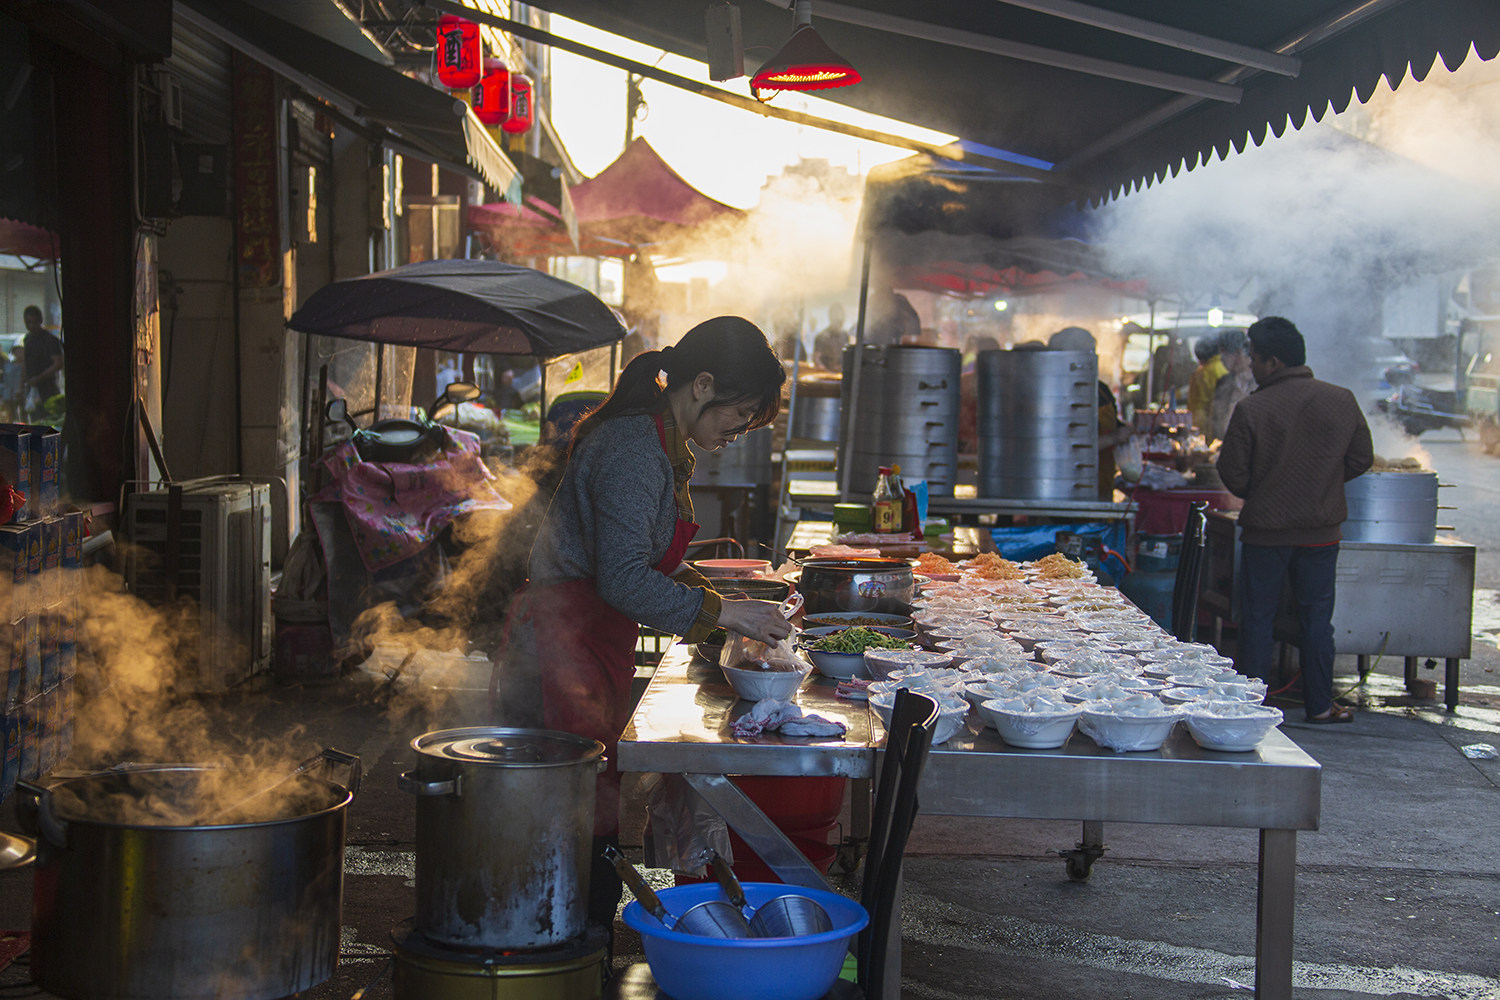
[(586, 653)]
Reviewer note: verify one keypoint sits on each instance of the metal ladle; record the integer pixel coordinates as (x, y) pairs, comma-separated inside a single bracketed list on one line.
[(711, 918)]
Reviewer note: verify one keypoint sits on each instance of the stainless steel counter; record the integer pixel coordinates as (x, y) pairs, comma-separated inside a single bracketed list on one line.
[(682, 725)]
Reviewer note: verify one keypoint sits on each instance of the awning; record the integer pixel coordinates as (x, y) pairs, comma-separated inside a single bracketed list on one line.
[(406, 114), (1110, 93)]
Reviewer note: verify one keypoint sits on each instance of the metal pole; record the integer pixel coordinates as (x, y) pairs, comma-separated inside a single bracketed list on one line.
[(379, 379), (846, 423), (1151, 356)]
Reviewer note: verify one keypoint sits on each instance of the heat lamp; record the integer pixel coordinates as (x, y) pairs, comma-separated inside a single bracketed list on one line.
[(805, 62)]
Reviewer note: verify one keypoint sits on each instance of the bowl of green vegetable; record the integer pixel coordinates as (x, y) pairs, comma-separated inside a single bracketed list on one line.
[(840, 652)]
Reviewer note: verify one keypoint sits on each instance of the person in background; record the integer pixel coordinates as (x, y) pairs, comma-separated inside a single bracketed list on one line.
[(507, 396), (829, 344), (1289, 449), (1112, 430), (43, 356), (1201, 385), (609, 553), (14, 389), (1235, 384)]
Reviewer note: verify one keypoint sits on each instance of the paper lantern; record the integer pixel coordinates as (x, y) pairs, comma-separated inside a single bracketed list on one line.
[(520, 104), (491, 100), (458, 52)]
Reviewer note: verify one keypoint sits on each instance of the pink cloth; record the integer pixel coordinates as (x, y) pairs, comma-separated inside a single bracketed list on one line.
[(395, 510)]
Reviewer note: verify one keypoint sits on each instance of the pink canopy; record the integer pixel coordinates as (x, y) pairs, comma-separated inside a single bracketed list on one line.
[(639, 200)]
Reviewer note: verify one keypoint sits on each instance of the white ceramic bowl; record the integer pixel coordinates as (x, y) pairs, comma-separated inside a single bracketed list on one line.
[(1236, 727), (951, 714), (758, 685), (1034, 729), (841, 666), (1183, 695), (881, 663), (1126, 733)]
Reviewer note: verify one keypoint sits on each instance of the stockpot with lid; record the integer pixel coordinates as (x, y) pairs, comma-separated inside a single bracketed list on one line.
[(505, 821)]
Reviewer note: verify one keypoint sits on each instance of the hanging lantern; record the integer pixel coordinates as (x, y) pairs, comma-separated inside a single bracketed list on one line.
[(521, 110), (492, 98), (458, 52)]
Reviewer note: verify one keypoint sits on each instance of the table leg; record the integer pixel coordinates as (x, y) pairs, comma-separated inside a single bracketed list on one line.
[(1274, 910), (1450, 683), (1410, 671), (757, 830), (860, 808)]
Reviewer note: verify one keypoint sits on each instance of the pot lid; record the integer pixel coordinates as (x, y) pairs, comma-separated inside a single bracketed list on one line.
[(508, 747)]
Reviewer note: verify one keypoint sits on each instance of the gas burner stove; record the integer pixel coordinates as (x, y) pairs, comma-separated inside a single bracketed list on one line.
[(431, 970)]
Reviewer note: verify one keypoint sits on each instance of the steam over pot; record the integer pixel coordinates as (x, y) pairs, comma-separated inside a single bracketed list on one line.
[(125, 908)]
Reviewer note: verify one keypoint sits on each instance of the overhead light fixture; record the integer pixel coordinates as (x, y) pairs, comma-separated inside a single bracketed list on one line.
[(805, 62)]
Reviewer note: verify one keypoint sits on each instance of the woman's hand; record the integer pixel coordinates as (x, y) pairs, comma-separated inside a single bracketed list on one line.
[(760, 620)]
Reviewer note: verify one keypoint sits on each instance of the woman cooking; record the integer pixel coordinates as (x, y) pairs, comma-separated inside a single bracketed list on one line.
[(608, 555)]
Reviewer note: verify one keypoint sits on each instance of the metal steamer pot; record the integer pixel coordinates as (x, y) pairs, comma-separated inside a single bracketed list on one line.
[(877, 585), (131, 909), (505, 821), (1392, 507)]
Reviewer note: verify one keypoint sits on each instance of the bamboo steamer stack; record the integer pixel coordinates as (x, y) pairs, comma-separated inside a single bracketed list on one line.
[(1038, 425)]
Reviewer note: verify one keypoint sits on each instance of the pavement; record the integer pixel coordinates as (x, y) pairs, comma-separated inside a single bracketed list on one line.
[(1398, 892)]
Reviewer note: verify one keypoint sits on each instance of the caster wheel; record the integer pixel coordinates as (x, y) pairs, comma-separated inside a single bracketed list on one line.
[(1079, 869)]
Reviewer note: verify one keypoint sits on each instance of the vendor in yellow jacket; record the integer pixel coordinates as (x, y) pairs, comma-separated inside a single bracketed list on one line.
[(1201, 386)]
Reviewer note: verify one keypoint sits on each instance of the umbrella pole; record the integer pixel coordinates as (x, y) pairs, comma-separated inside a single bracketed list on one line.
[(846, 438), (542, 393), (379, 378)]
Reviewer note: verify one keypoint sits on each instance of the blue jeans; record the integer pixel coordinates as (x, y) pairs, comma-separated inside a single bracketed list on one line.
[(1263, 568)]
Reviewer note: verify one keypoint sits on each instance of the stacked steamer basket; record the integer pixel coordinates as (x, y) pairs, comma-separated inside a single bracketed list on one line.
[(908, 416), (1038, 425)]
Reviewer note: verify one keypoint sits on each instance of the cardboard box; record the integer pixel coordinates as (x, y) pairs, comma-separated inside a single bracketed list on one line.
[(30, 748), (31, 669), (52, 545), (13, 664), (50, 627), (44, 451), (10, 752), (15, 467), (15, 593)]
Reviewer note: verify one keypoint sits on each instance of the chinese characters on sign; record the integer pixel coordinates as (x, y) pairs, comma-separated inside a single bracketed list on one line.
[(257, 234)]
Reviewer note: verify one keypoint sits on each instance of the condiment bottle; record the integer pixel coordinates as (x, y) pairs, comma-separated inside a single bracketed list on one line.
[(885, 516), (911, 524)]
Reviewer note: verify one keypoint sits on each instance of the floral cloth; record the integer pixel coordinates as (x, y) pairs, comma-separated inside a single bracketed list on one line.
[(395, 510)]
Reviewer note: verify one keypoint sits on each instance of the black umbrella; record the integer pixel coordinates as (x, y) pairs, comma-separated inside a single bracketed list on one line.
[(468, 306)]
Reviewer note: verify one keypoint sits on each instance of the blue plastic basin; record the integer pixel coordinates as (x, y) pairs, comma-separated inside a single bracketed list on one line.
[(690, 967)]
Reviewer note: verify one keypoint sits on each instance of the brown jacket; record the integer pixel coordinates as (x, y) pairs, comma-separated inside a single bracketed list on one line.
[(1290, 447)]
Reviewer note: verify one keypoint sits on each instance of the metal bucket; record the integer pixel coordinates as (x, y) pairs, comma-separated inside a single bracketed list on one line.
[(125, 909), (1038, 424), (1392, 507), (505, 819), (908, 416)]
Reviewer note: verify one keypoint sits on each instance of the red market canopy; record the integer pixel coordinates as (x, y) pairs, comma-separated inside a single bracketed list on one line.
[(26, 240), (639, 200)]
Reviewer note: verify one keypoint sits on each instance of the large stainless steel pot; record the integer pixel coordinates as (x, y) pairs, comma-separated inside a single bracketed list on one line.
[(127, 908), (505, 821), (908, 416), (880, 585), (1392, 507), (1038, 424)]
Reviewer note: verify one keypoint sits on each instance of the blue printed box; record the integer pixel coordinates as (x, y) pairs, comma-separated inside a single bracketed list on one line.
[(10, 752), (13, 662), (31, 670), (52, 546), (15, 467), (44, 450), (30, 744), (15, 582), (49, 623)]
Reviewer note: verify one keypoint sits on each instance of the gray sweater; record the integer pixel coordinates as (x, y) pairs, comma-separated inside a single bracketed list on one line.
[(612, 521)]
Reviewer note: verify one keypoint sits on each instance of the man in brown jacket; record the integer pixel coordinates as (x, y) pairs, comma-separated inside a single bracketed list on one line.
[(1290, 447)]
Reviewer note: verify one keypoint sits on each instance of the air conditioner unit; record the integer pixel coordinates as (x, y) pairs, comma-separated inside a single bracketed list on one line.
[(169, 92), (207, 541)]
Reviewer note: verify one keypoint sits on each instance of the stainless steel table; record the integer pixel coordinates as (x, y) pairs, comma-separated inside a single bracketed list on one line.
[(682, 726)]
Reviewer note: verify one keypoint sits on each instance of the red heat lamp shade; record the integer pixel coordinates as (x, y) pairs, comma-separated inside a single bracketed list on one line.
[(805, 62), (458, 52), (491, 100)]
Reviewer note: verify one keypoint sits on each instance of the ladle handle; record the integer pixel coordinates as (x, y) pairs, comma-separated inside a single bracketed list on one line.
[(637, 884), (727, 880)]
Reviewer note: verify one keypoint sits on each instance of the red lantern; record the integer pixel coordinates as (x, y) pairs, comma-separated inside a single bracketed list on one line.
[(520, 104), (458, 52), (491, 99)]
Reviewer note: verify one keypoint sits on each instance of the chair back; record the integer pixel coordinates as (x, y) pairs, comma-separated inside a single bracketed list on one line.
[(913, 718), (1189, 573)]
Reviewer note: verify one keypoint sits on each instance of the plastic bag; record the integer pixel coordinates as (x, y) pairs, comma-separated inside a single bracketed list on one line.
[(1129, 460), (682, 830), (752, 654)]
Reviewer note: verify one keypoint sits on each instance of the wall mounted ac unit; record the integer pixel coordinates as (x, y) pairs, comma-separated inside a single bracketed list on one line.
[(207, 541)]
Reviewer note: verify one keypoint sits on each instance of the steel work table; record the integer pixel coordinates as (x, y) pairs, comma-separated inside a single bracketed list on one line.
[(682, 726)]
